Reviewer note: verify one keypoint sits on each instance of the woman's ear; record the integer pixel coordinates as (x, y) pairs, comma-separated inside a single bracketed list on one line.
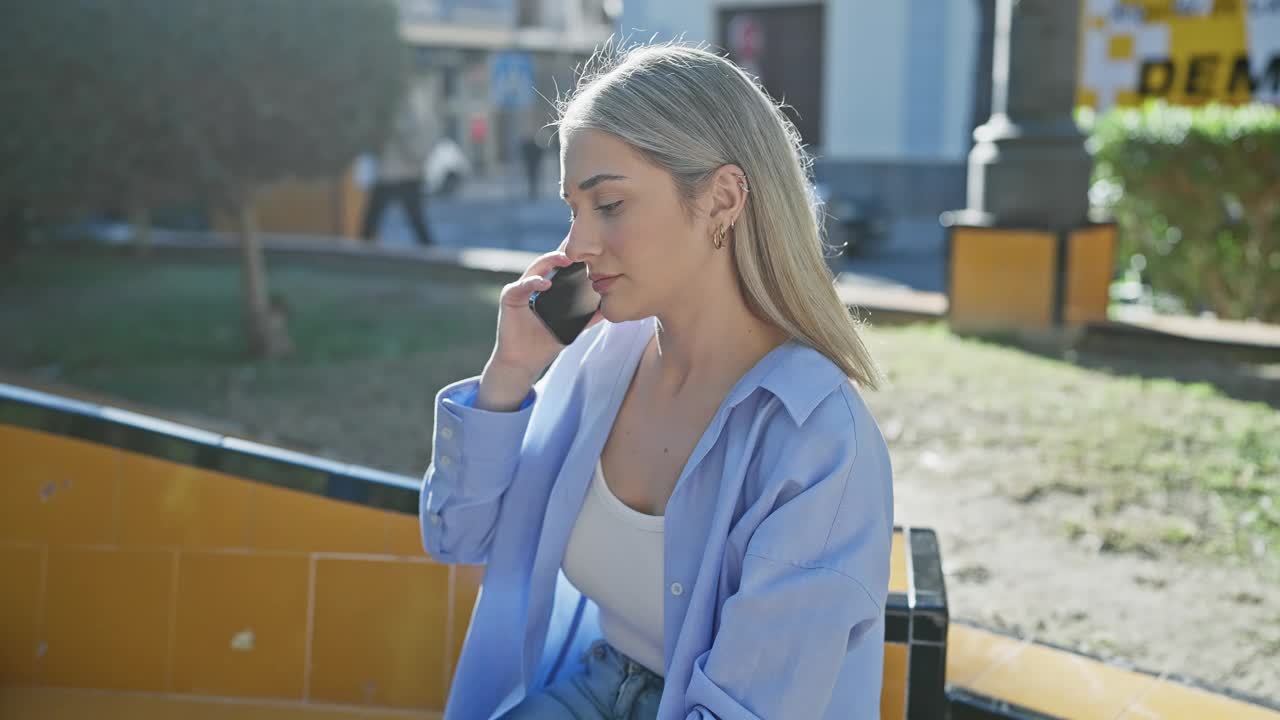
[(728, 195)]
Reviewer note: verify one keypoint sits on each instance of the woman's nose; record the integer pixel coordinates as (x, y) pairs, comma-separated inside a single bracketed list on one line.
[(578, 244)]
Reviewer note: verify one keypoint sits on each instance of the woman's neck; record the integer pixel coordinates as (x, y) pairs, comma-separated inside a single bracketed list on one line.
[(712, 341)]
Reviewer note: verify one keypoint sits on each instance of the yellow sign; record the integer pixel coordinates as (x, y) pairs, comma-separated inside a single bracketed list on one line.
[(1188, 52)]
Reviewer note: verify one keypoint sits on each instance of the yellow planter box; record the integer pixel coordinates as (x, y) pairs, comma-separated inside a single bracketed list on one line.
[(1008, 278)]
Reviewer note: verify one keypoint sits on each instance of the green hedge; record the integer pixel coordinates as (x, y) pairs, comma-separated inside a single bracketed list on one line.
[(1196, 192)]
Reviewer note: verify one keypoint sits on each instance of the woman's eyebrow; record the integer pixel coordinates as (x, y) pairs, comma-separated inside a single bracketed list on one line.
[(595, 180)]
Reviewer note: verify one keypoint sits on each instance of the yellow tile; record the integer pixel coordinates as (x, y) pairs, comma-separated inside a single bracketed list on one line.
[(1061, 684), (107, 616), (404, 535), (293, 520), (898, 564), (466, 588), (1120, 47), (893, 689), (19, 612), (1090, 255), (241, 625), (1128, 98), (1171, 701), (1086, 97), (379, 633), (971, 651), (1001, 278), (168, 504), (1097, 22), (56, 489)]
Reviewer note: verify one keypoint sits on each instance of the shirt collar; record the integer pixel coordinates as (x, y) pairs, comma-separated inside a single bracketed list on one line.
[(798, 375)]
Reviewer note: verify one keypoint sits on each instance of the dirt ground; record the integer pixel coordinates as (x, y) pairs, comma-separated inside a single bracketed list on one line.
[(1212, 622)]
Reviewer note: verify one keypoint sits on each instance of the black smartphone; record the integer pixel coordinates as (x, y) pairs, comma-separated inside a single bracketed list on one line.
[(567, 306)]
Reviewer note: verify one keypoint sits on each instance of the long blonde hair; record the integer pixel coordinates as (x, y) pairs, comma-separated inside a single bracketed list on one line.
[(691, 112)]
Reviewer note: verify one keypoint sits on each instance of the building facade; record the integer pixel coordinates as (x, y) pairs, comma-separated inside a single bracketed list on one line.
[(882, 92), (492, 67)]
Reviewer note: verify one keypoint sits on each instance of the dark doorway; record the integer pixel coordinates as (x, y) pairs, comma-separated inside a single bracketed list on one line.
[(783, 47)]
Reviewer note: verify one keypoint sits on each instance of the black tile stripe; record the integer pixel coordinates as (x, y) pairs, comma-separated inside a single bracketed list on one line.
[(209, 451), (930, 613), (896, 626), (966, 705), (926, 565), (1061, 239), (926, 672), (929, 626)]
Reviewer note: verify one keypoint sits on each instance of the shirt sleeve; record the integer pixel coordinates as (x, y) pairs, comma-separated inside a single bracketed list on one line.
[(807, 615), (474, 458)]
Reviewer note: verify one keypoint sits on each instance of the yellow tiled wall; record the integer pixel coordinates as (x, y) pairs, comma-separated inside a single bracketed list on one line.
[(182, 588), (125, 572)]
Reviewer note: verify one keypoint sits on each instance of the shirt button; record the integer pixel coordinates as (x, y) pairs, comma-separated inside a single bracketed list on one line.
[(435, 519), (446, 432), (677, 589), (445, 461)]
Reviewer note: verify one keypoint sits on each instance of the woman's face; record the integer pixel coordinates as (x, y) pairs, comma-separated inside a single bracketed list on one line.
[(644, 252)]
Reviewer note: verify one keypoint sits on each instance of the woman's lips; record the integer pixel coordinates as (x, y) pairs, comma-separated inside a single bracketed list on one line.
[(601, 283)]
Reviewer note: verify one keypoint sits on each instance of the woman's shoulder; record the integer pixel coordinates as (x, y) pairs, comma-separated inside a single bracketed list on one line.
[(816, 393), (813, 415)]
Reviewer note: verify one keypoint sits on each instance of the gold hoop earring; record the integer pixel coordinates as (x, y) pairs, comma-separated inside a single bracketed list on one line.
[(718, 238)]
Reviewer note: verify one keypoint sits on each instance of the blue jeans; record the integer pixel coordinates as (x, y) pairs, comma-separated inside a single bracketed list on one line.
[(611, 687)]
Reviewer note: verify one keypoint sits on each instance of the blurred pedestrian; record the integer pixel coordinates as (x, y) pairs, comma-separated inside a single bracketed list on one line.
[(400, 168), (478, 134), (532, 152)]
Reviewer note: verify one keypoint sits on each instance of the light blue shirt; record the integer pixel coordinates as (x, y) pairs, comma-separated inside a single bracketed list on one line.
[(776, 550)]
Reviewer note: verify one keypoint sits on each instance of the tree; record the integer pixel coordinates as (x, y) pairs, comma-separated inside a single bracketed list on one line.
[(82, 131), (277, 89), (132, 104)]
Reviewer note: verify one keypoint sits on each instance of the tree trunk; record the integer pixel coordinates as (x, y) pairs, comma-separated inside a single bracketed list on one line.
[(140, 218), (265, 322)]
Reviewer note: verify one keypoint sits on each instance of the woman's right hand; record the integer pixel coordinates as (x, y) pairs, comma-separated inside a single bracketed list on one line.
[(524, 346)]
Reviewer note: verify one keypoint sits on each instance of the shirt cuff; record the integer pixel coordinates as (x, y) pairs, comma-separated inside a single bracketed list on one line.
[(468, 436)]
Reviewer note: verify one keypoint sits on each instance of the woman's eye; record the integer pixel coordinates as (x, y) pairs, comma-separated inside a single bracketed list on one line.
[(611, 208)]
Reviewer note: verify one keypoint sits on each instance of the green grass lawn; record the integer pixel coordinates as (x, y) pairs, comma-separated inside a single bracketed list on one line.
[(1132, 464)]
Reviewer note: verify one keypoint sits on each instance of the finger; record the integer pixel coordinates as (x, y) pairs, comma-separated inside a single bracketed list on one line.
[(517, 293), (546, 263)]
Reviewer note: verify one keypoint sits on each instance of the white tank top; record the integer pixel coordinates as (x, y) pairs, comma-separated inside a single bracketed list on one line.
[(615, 558)]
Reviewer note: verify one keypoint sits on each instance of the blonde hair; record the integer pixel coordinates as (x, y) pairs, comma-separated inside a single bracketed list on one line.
[(690, 112)]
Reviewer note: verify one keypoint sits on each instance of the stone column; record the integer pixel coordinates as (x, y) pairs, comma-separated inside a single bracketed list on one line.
[(1029, 166)]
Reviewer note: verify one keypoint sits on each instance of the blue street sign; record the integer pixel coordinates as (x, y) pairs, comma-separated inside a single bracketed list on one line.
[(511, 80)]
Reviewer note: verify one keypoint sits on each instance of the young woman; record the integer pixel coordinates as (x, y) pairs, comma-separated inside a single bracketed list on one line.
[(689, 515)]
